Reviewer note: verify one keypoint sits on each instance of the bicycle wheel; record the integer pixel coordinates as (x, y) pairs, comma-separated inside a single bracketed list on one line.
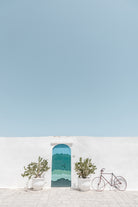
[(120, 183), (98, 184)]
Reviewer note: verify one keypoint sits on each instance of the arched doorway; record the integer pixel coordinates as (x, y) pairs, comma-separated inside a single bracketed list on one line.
[(61, 166)]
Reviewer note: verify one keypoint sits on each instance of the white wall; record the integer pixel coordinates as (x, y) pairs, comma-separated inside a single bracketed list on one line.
[(116, 154)]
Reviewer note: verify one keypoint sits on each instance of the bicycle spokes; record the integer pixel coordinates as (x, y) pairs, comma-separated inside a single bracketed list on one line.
[(98, 184), (120, 183)]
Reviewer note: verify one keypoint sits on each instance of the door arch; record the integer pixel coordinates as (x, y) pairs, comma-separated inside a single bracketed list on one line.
[(61, 166)]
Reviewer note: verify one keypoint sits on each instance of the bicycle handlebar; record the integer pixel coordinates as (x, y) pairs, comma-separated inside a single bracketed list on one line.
[(103, 169)]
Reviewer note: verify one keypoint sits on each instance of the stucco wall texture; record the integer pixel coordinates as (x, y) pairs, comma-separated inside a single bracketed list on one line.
[(116, 154)]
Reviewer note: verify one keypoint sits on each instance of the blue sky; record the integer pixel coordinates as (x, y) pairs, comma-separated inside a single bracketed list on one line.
[(69, 68)]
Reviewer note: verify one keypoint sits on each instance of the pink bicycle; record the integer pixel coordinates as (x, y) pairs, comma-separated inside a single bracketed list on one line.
[(118, 182)]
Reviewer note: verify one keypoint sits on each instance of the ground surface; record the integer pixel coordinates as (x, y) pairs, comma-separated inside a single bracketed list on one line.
[(59, 197)]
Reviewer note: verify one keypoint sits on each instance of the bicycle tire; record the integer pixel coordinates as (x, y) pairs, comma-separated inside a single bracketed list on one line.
[(98, 184), (120, 183)]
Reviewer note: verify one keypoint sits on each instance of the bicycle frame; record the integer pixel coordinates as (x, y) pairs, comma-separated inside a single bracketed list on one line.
[(111, 183)]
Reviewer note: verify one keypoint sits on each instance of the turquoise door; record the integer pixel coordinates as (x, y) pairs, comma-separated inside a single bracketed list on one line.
[(61, 166)]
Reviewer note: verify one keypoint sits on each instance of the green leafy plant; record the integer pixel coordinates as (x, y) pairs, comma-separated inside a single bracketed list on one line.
[(84, 168), (36, 169)]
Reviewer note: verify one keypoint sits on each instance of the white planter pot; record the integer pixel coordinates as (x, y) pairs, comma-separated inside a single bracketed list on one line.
[(38, 183), (84, 184)]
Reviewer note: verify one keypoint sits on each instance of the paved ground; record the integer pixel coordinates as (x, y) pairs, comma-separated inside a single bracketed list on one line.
[(65, 197)]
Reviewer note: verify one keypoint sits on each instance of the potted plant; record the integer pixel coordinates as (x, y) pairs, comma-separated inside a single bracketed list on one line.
[(35, 171), (83, 169)]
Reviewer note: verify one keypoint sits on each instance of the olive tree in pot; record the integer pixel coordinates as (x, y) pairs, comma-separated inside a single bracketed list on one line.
[(35, 171), (84, 168)]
